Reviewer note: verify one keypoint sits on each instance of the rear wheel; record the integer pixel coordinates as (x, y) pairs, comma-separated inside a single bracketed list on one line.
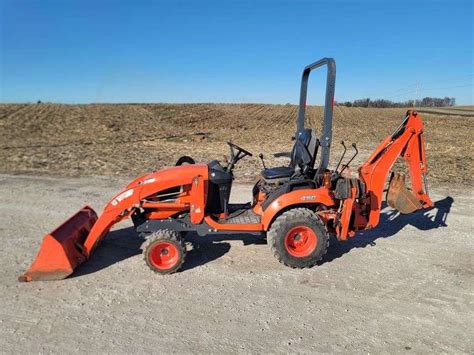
[(164, 251), (298, 238)]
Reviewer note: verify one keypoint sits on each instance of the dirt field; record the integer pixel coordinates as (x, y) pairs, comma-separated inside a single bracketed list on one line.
[(127, 139), (406, 286)]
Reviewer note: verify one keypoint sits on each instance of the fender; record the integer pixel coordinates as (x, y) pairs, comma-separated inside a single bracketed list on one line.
[(296, 198)]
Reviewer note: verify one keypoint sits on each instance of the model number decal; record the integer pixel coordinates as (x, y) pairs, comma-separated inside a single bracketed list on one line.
[(308, 198), (122, 197)]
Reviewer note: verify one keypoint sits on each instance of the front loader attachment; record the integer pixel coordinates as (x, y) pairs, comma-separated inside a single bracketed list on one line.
[(63, 249), (399, 197), (73, 242)]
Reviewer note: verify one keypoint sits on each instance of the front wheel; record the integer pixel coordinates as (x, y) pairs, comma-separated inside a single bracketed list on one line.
[(298, 238), (164, 251)]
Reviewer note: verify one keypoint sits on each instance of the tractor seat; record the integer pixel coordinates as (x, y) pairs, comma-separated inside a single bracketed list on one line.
[(278, 172), (303, 156)]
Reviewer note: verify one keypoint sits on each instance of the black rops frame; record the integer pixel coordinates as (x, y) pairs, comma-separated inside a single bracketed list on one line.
[(326, 133)]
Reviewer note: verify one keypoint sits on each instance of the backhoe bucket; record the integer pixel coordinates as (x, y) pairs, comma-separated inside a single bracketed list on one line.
[(62, 250), (399, 197)]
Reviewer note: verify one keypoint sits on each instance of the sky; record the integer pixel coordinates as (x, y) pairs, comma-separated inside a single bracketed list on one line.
[(233, 51)]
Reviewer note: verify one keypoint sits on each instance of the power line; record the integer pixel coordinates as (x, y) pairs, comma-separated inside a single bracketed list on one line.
[(417, 84), (429, 89)]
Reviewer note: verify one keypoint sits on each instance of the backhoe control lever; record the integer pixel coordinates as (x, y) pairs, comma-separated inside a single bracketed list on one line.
[(263, 161), (351, 159), (342, 156)]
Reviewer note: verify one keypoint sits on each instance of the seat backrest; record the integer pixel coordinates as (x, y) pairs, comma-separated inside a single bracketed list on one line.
[(305, 149)]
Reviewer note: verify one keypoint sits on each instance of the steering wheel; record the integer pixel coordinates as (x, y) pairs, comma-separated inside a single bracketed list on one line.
[(241, 153), (235, 146)]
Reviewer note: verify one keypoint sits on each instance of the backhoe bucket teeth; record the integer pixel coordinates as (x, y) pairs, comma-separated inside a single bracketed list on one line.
[(63, 249), (399, 197)]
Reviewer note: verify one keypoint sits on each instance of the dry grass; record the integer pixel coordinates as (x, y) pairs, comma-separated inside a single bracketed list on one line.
[(126, 139)]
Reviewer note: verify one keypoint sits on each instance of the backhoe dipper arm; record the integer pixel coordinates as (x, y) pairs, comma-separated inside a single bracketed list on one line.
[(407, 141)]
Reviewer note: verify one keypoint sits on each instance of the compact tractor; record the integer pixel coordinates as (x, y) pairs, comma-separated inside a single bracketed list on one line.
[(297, 207)]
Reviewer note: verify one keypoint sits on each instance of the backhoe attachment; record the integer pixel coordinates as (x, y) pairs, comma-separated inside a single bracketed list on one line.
[(408, 143)]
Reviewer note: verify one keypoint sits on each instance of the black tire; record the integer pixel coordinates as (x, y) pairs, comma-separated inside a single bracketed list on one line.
[(281, 230), (185, 160), (161, 241)]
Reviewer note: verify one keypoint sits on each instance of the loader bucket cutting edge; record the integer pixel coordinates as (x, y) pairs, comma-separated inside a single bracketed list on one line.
[(62, 250), (399, 197)]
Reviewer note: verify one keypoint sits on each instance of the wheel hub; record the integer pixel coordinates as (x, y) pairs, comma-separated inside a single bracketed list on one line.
[(300, 241), (164, 255)]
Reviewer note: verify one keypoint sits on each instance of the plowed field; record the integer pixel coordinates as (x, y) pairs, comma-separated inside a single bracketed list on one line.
[(127, 139)]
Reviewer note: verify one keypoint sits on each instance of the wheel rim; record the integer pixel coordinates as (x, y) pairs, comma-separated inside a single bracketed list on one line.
[(164, 255), (300, 241)]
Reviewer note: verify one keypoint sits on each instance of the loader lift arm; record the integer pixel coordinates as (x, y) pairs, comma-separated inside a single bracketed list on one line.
[(74, 241)]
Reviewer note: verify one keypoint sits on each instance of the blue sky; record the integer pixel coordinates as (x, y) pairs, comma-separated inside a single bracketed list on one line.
[(232, 51)]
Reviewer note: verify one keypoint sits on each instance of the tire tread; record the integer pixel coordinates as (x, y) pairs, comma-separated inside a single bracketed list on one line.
[(161, 235), (279, 227)]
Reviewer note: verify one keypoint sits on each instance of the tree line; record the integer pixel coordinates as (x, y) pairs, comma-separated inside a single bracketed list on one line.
[(382, 103)]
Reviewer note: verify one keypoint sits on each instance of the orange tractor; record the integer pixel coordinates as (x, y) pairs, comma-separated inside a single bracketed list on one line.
[(296, 207)]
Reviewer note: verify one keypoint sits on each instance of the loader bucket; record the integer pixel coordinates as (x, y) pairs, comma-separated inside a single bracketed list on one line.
[(399, 197), (62, 249)]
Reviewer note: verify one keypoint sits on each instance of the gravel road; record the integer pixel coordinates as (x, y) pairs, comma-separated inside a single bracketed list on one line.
[(404, 287)]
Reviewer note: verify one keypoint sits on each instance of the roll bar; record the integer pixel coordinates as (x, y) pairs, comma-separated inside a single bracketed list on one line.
[(326, 133)]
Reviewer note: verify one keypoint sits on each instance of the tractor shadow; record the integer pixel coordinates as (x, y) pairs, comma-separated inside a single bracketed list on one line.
[(392, 222), (209, 248), (125, 243), (116, 246)]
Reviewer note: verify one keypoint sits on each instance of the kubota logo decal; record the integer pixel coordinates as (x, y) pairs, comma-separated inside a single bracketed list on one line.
[(149, 181), (122, 197)]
